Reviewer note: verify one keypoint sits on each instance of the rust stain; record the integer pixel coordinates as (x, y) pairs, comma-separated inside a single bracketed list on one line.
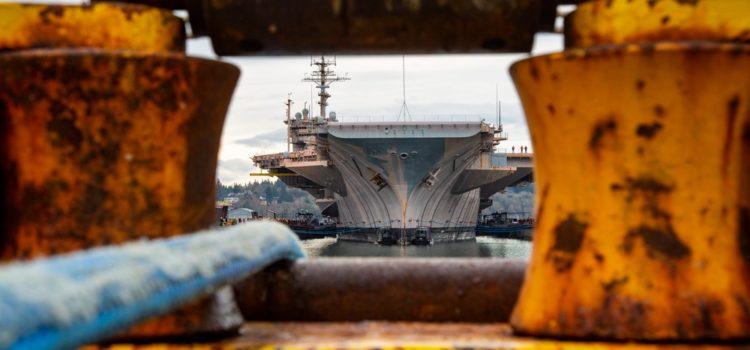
[(615, 283), (647, 185), (534, 71), (733, 107), (648, 131), (616, 312), (542, 202), (640, 84), (743, 234), (659, 111), (569, 235), (601, 129), (661, 243), (703, 312), (551, 109)]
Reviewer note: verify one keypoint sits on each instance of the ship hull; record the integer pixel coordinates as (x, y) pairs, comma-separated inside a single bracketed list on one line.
[(399, 186), (397, 182)]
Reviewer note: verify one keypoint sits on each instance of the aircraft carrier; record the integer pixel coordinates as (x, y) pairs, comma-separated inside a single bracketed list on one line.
[(394, 182)]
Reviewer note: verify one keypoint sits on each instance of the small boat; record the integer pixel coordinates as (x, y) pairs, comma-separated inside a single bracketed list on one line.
[(307, 226), (506, 225)]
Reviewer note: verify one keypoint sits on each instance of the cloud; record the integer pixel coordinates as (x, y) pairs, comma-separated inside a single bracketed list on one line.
[(268, 139), (235, 170)]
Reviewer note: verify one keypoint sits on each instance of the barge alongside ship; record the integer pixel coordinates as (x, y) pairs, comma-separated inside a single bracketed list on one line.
[(388, 182)]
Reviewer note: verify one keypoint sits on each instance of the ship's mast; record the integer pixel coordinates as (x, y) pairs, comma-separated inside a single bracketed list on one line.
[(323, 76), (288, 105), (499, 106), (404, 109)]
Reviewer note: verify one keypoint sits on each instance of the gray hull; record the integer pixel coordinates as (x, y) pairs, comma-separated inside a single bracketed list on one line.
[(400, 182), (403, 185)]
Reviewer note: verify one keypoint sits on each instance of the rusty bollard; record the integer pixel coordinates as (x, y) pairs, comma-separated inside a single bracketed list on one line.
[(107, 136), (643, 171)]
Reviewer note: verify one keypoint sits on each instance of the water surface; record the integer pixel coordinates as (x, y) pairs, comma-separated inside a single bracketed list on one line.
[(481, 247)]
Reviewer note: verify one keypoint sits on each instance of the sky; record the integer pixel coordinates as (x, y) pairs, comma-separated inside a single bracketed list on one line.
[(455, 85)]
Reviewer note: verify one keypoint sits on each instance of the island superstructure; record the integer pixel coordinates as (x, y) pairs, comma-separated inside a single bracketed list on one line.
[(401, 182)]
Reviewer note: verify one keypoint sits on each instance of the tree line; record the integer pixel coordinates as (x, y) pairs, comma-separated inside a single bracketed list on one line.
[(517, 199), (268, 197)]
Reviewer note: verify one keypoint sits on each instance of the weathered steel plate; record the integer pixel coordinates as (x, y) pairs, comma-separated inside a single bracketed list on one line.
[(643, 165), (107, 26), (353, 289), (364, 26), (627, 21)]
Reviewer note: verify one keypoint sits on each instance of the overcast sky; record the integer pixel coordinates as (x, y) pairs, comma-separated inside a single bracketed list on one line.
[(435, 85)]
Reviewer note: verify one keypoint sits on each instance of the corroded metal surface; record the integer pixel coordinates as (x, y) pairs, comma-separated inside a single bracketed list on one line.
[(101, 147), (353, 289), (215, 316), (643, 217), (602, 22), (107, 26), (380, 335), (364, 26), (398, 335)]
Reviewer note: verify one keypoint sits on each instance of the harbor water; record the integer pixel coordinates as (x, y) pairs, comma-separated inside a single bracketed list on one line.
[(481, 247)]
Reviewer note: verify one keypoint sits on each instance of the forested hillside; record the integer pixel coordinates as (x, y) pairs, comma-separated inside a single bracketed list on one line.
[(267, 197), (518, 199)]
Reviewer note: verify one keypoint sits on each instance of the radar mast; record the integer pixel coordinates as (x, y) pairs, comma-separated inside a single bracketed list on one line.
[(322, 77)]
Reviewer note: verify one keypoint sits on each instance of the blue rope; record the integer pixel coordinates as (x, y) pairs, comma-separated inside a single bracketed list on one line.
[(172, 273)]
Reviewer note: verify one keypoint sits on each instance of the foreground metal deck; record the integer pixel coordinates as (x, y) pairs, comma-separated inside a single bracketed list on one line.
[(397, 335)]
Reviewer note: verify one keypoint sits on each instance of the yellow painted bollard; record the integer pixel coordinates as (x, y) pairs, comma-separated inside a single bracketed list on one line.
[(116, 26), (102, 147), (606, 22), (109, 133), (643, 175)]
